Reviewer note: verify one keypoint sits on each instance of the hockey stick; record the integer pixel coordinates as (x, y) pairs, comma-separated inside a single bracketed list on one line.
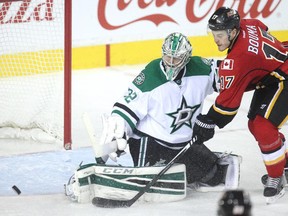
[(90, 129), (111, 203)]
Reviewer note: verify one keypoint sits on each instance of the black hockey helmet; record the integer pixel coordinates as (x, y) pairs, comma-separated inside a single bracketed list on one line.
[(234, 202), (224, 18)]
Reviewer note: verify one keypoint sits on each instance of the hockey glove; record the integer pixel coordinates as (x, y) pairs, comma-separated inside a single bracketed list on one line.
[(203, 130)]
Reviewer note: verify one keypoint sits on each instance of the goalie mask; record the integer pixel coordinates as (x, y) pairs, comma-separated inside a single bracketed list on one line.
[(176, 52), (234, 202)]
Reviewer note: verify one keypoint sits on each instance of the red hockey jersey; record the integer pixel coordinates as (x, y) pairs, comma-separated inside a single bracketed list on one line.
[(255, 57)]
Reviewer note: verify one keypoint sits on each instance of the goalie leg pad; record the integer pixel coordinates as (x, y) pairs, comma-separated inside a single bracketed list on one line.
[(230, 177), (114, 182), (200, 161), (233, 170), (77, 191), (126, 182)]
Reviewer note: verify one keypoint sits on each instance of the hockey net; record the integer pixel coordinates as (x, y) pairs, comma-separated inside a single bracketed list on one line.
[(32, 56)]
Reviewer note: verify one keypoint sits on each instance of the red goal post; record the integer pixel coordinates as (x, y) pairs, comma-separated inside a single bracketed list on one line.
[(35, 70)]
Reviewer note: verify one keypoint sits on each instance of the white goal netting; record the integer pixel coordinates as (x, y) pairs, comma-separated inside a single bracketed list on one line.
[(32, 69)]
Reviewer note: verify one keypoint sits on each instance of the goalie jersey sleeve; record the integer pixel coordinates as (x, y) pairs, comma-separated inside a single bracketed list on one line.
[(166, 110)]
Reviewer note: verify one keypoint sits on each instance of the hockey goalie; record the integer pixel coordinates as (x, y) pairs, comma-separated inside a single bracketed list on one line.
[(153, 122)]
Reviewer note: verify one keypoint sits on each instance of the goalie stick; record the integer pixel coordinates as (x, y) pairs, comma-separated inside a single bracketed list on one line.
[(92, 136), (111, 203), (99, 151)]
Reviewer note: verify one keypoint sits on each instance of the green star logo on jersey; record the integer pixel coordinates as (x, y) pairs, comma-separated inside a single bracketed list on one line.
[(182, 116)]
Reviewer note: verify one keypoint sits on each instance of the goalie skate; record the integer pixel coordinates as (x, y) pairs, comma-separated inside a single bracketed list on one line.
[(69, 189)]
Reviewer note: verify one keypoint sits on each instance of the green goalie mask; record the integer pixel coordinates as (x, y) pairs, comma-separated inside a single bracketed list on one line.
[(176, 52)]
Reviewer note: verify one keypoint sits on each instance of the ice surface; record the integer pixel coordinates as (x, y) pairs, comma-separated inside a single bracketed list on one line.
[(41, 170)]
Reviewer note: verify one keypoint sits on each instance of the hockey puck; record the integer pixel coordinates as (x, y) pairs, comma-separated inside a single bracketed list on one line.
[(16, 189)]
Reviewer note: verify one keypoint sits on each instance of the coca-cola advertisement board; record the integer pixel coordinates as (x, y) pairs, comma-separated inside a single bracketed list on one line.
[(98, 22), (113, 21)]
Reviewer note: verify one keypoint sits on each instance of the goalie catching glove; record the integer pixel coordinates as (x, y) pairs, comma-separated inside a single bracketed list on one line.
[(204, 129), (113, 135)]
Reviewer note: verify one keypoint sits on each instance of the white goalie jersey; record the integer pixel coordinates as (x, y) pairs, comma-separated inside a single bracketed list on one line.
[(166, 110)]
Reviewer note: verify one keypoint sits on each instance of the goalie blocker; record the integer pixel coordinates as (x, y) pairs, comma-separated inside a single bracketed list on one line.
[(123, 183)]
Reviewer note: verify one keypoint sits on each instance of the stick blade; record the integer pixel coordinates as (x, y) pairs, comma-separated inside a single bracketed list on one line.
[(109, 203)]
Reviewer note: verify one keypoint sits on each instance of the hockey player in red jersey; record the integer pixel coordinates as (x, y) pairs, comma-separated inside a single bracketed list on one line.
[(255, 61)]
